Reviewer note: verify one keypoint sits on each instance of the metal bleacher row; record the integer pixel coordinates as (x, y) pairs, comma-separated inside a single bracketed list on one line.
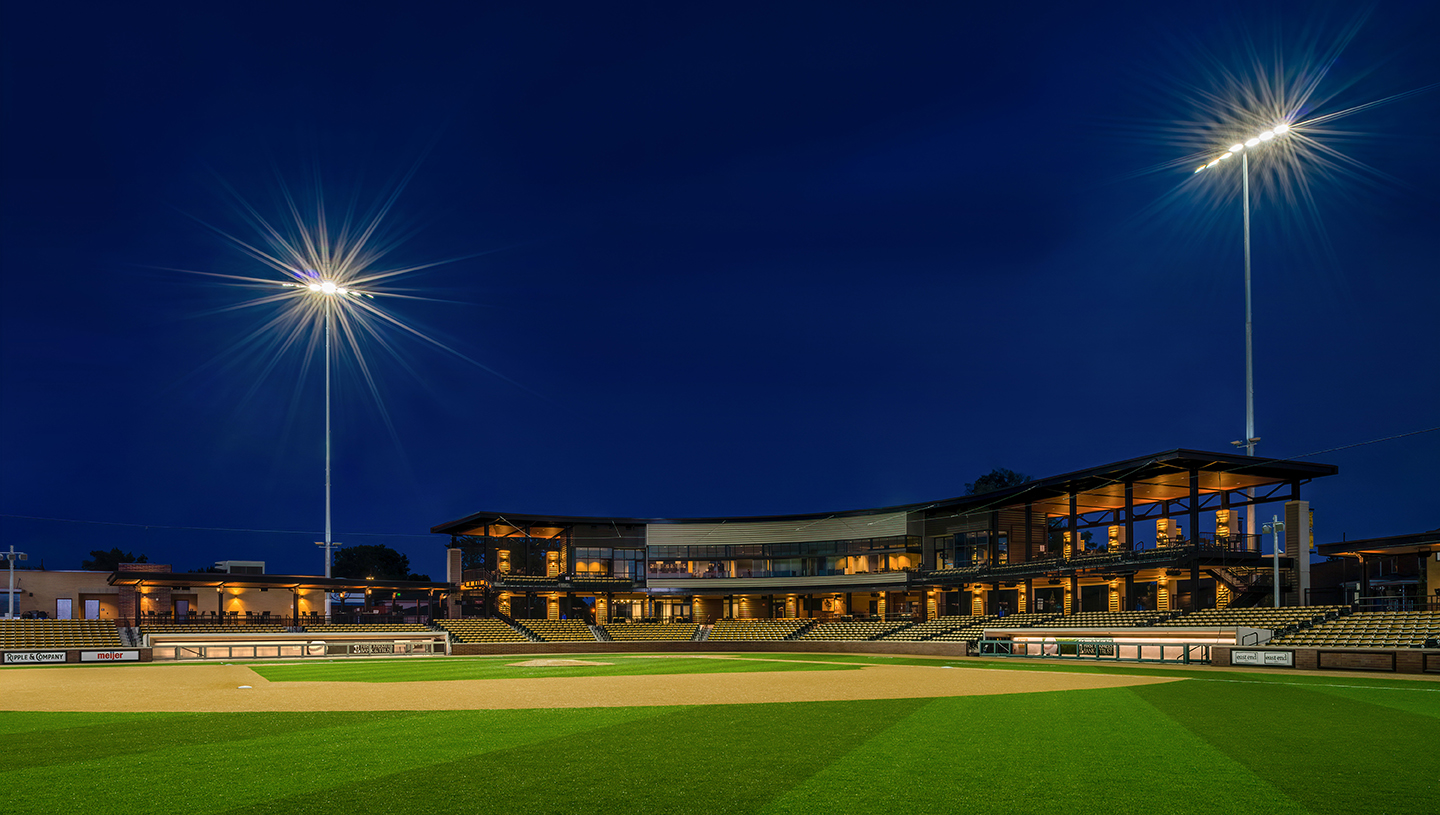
[(16, 634), (558, 630), (756, 629), (1305, 626), (1274, 619), (650, 632), (1392, 629), (483, 629), (850, 630)]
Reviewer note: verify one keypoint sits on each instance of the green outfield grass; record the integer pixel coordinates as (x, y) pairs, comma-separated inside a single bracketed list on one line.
[(1222, 743), (427, 670)]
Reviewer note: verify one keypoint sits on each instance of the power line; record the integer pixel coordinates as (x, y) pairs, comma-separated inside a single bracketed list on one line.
[(212, 528), (959, 514)]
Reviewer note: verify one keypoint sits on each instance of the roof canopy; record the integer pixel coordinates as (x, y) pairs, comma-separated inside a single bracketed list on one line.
[(1155, 478), (184, 580), (1418, 543)]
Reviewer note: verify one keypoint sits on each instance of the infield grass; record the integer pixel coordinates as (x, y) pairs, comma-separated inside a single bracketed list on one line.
[(1222, 743)]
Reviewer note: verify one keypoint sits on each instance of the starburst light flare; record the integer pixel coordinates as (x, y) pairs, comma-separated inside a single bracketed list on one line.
[(331, 283)]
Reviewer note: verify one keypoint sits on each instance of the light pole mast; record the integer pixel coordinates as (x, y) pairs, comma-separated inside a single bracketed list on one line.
[(1249, 353), (328, 291), (1244, 148), (1249, 346), (328, 544)]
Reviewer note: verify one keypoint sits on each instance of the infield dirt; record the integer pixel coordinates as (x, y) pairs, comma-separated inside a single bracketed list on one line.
[(217, 688)]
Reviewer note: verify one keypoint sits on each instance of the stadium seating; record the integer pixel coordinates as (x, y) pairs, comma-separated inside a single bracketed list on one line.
[(931, 629), (58, 634), (1275, 619), (481, 630), (558, 630), (360, 627), (1025, 620), (211, 628), (733, 630), (633, 632), (1108, 619), (1376, 629), (973, 632), (850, 630)]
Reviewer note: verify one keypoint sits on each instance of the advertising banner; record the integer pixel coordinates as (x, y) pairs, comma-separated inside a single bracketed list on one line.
[(1278, 659), (109, 656), (33, 657)]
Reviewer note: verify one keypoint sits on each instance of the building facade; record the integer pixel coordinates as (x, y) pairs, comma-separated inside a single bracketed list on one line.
[(1163, 532)]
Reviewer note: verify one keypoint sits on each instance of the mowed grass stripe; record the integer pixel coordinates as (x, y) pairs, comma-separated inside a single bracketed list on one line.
[(334, 751), (1092, 751), (1181, 747), (19, 722), (715, 759), (136, 733), (1331, 753), (428, 670), (1420, 704), (1215, 674)]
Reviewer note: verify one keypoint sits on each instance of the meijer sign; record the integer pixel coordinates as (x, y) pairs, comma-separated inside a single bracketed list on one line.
[(30, 657), (109, 656)]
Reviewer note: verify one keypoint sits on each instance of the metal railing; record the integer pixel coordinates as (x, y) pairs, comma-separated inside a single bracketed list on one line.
[(1093, 650), (180, 652), (243, 621), (1382, 603)]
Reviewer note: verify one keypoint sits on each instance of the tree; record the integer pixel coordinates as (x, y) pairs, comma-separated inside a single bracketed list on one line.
[(110, 561), (377, 561), (997, 479)]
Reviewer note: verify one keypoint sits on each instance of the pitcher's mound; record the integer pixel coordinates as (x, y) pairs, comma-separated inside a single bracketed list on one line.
[(557, 663)]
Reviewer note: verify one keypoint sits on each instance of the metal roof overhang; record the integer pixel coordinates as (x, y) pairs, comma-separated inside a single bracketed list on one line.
[(1419, 543), (1159, 477), (267, 581)]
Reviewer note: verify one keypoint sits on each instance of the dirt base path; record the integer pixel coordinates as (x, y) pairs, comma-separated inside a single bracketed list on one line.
[(216, 688)]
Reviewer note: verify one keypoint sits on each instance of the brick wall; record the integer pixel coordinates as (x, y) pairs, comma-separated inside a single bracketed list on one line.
[(1386, 660), (1367, 660)]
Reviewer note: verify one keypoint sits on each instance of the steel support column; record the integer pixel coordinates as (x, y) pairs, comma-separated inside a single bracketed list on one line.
[(1029, 533), (1130, 514), (1195, 539), (1075, 547)]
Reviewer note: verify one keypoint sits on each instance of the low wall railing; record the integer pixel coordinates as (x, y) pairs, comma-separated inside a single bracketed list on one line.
[(1097, 650)]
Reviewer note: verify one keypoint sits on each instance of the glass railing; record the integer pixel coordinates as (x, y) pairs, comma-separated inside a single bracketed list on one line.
[(746, 573)]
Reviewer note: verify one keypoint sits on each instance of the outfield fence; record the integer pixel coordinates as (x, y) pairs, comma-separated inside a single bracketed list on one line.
[(1093, 650)]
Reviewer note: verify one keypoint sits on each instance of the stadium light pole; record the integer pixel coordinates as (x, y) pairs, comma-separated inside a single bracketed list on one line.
[(328, 291), (1244, 149)]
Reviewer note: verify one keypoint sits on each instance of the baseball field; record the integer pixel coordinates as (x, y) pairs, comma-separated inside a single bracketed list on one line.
[(736, 733)]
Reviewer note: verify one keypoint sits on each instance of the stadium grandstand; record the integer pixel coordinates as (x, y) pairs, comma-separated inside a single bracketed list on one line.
[(1148, 549), (1150, 538)]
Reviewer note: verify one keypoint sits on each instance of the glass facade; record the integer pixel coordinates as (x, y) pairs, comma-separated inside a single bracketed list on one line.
[(972, 549), (815, 558), (603, 561)]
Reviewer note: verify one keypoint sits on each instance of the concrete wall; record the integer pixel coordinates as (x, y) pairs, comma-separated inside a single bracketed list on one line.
[(935, 649), (38, 591)]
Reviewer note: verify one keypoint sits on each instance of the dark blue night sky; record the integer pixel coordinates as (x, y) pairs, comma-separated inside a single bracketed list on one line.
[(739, 259)]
